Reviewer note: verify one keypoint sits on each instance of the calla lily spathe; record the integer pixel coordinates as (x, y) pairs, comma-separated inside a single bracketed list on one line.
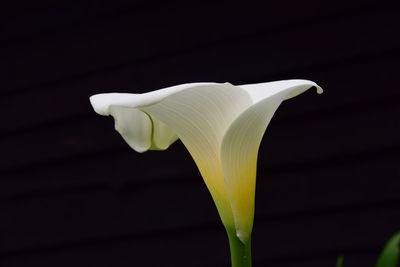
[(220, 124)]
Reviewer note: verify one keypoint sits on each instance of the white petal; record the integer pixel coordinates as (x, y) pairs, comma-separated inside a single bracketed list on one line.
[(200, 117), (163, 136), (240, 146), (134, 125), (138, 129), (259, 91)]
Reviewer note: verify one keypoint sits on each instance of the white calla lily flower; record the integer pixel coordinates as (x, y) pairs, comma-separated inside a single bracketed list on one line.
[(220, 124)]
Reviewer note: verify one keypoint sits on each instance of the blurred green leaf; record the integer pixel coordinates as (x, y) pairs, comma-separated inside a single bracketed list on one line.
[(339, 262), (390, 254)]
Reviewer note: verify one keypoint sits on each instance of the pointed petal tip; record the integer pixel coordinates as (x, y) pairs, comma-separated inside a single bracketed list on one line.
[(311, 83), (305, 82), (319, 89)]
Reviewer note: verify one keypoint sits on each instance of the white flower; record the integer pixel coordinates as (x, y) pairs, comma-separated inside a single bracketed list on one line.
[(220, 124)]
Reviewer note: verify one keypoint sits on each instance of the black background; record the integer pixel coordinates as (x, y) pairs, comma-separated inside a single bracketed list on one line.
[(72, 193)]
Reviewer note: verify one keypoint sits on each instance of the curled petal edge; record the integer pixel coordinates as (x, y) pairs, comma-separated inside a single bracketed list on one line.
[(239, 151), (141, 131)]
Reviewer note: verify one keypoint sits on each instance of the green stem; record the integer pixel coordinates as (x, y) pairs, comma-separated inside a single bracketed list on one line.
[(240, 252)]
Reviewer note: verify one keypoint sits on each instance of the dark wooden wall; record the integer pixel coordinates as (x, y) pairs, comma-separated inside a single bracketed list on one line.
[(72, 193)]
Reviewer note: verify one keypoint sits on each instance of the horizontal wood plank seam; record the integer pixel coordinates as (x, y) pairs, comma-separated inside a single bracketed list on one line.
[(85, 21), (145, 5), (383, 154), (318, 67), (391, 204), (131, 63)]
